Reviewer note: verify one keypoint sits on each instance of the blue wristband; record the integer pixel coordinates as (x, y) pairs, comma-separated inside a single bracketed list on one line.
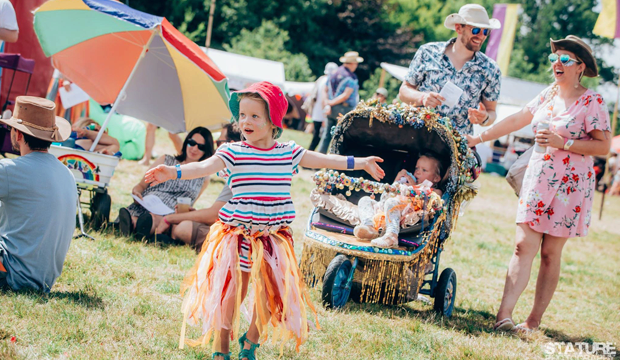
[(350, 163), (178, 166)]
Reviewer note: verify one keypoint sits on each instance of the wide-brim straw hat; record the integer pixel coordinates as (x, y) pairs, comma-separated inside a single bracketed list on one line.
[(351, 57), (474, 15), (578, 47), (35, 116)]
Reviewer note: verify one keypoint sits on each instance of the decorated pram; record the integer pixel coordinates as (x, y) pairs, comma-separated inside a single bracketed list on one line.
[(349, 268)]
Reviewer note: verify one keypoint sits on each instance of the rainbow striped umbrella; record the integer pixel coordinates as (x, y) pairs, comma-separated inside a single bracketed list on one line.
[(136, 61)]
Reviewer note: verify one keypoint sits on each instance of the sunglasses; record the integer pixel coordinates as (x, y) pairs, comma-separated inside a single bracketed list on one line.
[(564, 59), (477, 30), (201, 147)]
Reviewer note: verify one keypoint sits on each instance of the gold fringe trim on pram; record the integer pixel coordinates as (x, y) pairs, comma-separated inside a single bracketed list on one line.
[(280, 295), (386, 279)]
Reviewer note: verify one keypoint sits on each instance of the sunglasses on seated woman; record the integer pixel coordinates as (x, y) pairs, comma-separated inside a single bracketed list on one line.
[(201, 147), (564, 59)]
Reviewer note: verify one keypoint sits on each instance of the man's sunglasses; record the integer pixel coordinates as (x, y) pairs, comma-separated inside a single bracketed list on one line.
[(564, 59), (201, 147), (477, 30)]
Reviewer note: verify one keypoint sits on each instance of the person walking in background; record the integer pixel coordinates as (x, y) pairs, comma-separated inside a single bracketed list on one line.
[(556, 197), (316, 102), (343, 95), (459, 61)]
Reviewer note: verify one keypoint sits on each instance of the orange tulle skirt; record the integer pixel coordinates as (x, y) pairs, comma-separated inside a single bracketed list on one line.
[(212, 288)]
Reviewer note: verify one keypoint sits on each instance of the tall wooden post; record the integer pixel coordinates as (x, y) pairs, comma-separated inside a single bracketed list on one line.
[(210, 24)]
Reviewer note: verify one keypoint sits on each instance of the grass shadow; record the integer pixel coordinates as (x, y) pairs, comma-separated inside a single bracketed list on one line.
[(87, 298), (469, 321)]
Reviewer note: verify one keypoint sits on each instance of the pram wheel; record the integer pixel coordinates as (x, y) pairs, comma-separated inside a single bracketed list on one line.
[(100, 210), (335, 291), (445, 293)]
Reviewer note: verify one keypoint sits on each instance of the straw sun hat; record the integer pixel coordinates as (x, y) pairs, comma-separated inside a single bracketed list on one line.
[(474, 15), (351, 57)]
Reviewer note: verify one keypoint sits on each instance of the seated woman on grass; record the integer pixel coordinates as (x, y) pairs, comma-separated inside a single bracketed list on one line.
[(198, 146), (86, 131)]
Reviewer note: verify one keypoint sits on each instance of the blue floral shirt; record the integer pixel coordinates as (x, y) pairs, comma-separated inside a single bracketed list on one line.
[(340, 80), (479, 78)]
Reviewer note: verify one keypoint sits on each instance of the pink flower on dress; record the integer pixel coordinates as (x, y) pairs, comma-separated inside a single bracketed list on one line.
[(566, 160), (600, 100), (541, 204), (538, 212), (550, 212), (589, 174), (547, 157), (565, 179), (577, 209), (575, 177)]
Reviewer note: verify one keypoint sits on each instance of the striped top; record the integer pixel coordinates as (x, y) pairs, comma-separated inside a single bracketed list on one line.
[(260, 180)]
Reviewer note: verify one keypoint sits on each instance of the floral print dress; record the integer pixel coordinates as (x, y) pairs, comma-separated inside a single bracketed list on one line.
[(558, 186)]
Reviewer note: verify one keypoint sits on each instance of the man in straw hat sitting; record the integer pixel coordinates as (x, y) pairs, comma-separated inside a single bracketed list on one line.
[(459, 61), (38, 199), (343, 94)]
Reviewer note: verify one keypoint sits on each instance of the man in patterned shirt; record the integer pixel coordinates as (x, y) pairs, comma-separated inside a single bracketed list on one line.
[(460, 61)]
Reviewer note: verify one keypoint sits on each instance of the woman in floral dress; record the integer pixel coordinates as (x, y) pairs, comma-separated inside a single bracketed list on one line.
[(558, 187)]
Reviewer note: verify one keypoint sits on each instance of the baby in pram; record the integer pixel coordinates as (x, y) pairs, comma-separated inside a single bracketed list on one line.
[(394, 211)]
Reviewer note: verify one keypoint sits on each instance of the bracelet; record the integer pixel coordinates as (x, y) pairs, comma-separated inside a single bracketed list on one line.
[(480, 138), (350, 163), (178, 166), (565, 140), (484, 122), (166, 221)]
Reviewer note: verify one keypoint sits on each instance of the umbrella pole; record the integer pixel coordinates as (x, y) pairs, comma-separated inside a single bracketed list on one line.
[(121, 95), (607, 177)]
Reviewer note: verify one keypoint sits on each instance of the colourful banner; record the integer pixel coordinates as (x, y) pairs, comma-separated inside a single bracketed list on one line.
[(501, 41), (607, 24)]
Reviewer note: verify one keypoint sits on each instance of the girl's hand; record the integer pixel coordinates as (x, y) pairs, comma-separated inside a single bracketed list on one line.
[(472, 141), (160, 174), (371, 167), (549, 138)]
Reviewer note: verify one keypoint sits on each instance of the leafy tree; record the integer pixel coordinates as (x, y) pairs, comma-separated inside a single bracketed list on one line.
[(268, 42), (554, 19)]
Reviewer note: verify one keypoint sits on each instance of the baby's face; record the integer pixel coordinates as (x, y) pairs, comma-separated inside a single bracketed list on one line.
[(426, 169)]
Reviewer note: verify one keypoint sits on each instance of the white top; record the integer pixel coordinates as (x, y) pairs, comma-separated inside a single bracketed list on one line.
[(317, 110), (7, 16)]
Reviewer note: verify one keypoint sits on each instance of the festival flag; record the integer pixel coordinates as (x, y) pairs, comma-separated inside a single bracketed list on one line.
[(608, 23), (501, 41)]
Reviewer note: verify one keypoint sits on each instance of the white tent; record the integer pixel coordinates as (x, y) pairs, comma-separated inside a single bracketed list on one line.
[(514, 94), (242, 70), (298, 88)]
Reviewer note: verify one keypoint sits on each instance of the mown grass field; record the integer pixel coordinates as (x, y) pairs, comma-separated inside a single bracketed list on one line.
[(118, 298)]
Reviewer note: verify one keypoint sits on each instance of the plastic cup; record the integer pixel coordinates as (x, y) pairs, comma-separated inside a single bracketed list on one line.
[(183, 204), (543, 125)]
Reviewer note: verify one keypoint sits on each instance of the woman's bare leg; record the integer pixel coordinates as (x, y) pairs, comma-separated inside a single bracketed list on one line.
[(548, 277), (519, 269)]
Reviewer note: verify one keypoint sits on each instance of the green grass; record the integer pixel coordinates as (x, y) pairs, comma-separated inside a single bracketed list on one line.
[(118, 297)]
